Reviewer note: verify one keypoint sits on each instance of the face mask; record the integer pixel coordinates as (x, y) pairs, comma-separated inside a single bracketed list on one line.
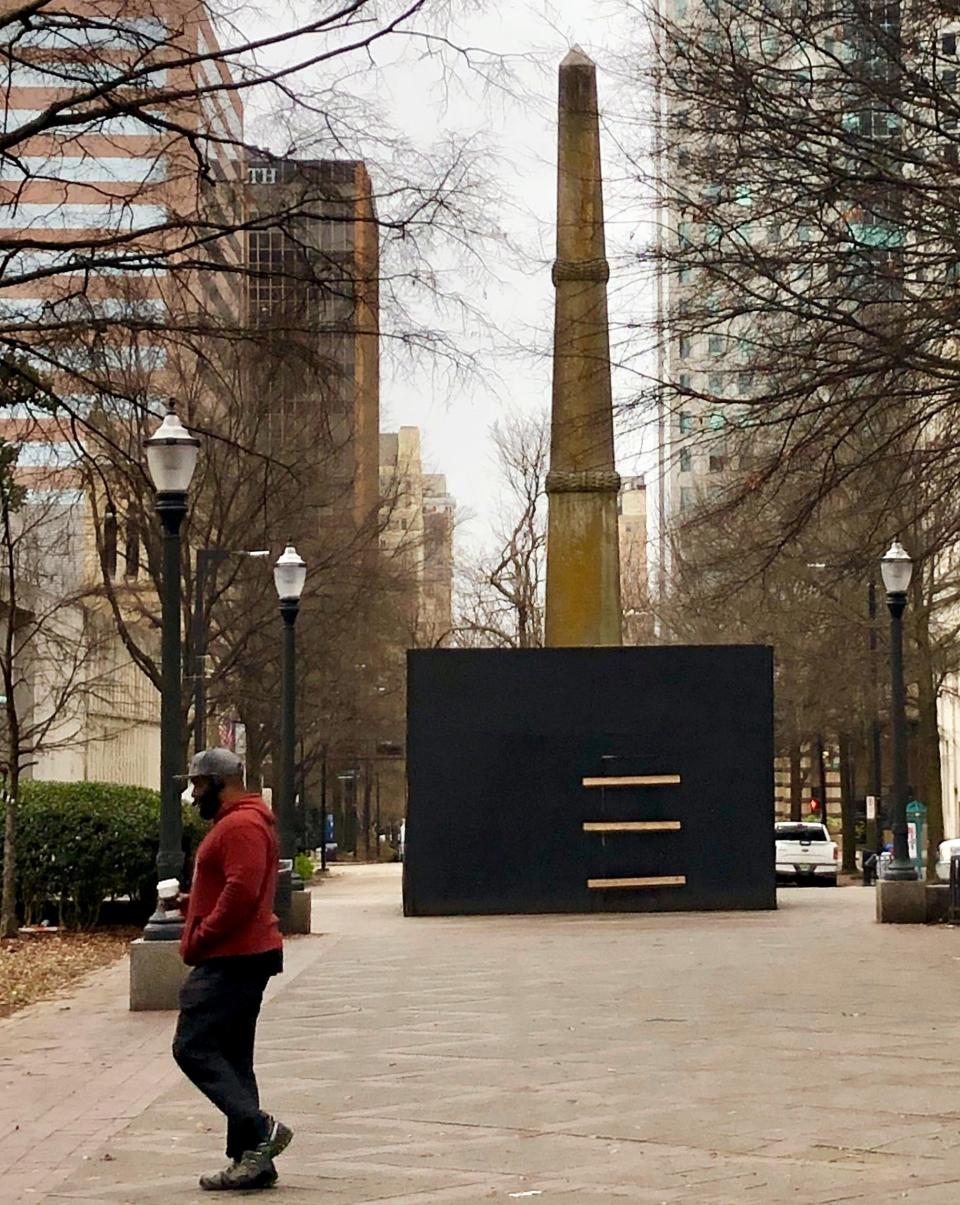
[(208, 803)]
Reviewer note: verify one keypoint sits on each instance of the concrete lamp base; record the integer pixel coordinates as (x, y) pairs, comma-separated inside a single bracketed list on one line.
[(901, 903), (156, 975), (301, 903)]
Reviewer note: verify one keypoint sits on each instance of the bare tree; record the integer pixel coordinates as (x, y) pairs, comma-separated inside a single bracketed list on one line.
[(802, 183), (151, 246), (53, 650), (501, 595)]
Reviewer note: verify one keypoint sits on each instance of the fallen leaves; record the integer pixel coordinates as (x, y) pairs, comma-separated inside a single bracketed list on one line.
[(36, 966)]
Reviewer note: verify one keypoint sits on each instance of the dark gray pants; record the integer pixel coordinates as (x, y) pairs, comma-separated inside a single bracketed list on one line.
[(213, 1046)]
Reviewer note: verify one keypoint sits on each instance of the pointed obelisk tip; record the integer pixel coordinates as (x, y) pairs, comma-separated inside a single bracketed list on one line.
[(576, 58)]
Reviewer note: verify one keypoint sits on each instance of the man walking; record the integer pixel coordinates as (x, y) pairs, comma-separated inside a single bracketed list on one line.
[(232, 941)]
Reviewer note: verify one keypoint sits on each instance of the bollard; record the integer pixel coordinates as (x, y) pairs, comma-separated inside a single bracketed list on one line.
[(282, 900), (953, 906)]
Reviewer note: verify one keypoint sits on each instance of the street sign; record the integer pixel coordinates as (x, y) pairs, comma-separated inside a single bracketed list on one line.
[(871, 807)]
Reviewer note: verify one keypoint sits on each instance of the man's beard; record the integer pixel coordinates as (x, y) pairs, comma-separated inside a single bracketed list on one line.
[(208, 804)]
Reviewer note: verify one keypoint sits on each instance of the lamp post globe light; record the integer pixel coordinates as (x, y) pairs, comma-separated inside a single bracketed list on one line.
[(289, 575), (896, 568), (171, 460)]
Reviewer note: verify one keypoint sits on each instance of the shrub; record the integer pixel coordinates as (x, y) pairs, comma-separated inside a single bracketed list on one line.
[(79, 843), (303, 865)]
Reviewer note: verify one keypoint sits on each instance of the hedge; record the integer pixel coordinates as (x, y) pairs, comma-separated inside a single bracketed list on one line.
[(80, 843)]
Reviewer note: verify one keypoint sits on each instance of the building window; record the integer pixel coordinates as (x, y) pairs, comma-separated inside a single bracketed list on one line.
[(715, 345), (717, 463), (688, 497), (280, 273), (715, 382), (686, 460), (110, 543), (887, 15), (744, 383), (948, 45), (686, 422), (684, 382), (717, 421), (262, 175), (686, 346)]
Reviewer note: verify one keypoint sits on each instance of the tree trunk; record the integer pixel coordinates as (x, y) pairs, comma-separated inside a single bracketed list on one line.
[(847, 808), (366, 812), (929, 787), (796, 781), (8, 910), (821, 771), (14, 753)]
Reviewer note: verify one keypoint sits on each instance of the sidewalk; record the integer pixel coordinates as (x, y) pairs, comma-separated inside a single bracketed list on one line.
[(75, 1071), (800, 1056)]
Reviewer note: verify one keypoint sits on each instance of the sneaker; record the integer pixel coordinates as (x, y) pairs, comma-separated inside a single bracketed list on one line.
[(279, 1136), (253, 1170)]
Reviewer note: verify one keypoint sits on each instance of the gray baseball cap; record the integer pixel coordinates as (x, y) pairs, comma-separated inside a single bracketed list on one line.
[(216, 763)]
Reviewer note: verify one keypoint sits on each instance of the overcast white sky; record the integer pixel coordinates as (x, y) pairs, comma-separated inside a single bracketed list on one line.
[(518, 297)]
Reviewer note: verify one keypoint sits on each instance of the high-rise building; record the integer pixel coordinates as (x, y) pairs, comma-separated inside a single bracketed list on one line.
[(634, 555), (439, 519), (417, 519), (98, 288), (312, 259), (417, 527)]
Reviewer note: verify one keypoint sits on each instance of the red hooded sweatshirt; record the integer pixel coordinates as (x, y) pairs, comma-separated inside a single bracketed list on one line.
[(234, 881)]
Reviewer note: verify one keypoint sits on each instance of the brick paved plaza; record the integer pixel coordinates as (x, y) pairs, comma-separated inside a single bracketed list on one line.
[(800, 1056)]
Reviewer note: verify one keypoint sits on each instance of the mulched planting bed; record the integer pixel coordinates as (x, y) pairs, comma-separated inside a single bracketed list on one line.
[(36, 966)]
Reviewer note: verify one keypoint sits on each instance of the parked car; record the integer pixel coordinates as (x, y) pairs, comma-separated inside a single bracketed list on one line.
[(806, 853), (945, 851)]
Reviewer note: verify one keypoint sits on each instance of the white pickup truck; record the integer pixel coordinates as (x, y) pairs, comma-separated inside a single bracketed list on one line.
[(805, 852)]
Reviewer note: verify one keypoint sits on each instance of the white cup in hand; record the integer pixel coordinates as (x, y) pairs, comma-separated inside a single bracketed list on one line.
[(168, 892)]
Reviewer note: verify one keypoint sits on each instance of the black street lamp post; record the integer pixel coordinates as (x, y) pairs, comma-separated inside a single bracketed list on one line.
[(290, 573), (323, 809), (875, 825), (171, 459), (897, 569)]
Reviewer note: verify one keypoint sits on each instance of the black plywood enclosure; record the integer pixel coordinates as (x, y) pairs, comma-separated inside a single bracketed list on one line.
[(501, 743)]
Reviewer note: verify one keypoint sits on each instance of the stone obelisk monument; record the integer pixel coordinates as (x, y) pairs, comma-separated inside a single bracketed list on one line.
[(583, 557)]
